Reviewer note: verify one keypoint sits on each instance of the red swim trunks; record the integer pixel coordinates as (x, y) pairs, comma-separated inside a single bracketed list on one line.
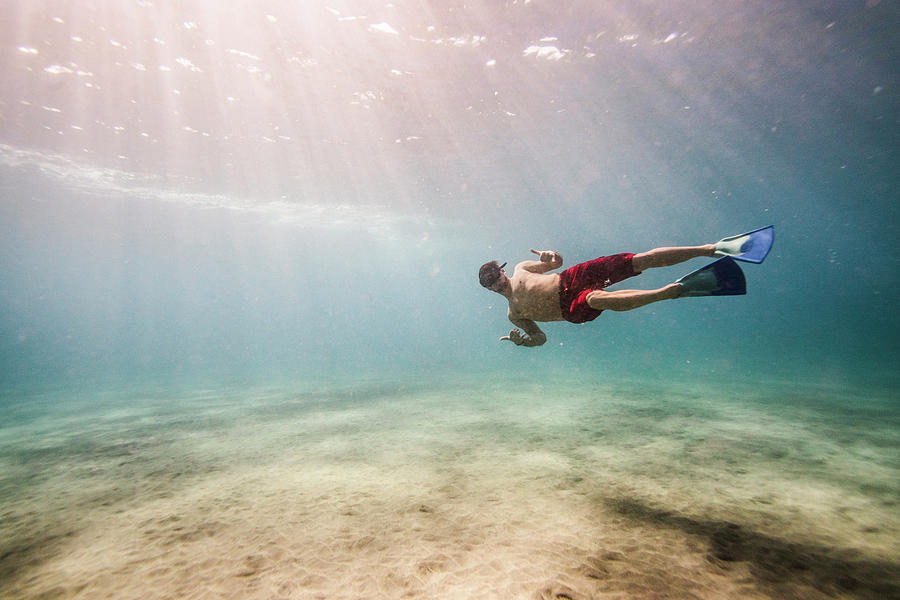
[(575, 283)]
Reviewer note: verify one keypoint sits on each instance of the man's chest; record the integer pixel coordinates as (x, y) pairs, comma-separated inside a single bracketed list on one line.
[(534, 297)]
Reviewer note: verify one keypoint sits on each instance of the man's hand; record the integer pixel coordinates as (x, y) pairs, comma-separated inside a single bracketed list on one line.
[(532, 337), (515, 336), (548, 256)]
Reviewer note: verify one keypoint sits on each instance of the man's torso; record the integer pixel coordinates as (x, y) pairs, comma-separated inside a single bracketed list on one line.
[(535, 296)]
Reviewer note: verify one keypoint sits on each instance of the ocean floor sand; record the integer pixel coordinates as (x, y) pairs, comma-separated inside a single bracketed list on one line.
[(385, 490)]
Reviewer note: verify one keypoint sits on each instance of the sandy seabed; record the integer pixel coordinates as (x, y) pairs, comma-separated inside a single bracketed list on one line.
[(409, 491)]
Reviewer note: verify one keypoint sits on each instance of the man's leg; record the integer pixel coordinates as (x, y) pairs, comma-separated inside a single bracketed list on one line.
[(621, 300), (665, 257)]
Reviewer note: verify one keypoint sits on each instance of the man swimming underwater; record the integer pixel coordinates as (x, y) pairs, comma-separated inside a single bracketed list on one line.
[(577, 294)]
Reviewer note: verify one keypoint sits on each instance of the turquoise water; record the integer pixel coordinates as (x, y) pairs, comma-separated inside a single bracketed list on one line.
[(244, 353)]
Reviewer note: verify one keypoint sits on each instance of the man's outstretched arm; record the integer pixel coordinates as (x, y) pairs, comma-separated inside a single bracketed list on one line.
[(534, 337), (549, 260)]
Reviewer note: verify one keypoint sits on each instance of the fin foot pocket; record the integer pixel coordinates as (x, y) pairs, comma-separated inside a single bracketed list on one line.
[(752, 246), (722, 277)]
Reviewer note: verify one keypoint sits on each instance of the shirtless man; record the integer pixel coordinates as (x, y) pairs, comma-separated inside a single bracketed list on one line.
[(576, 294)]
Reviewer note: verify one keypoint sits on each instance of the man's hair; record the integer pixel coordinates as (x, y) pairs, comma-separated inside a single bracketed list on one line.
[(489, 273)]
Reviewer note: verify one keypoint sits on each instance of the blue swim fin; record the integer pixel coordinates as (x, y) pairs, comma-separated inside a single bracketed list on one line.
[(722, 277), (752, 246)]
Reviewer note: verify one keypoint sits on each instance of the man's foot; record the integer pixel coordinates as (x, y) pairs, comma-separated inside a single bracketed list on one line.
[(731, 246), (674, 290), (752, 246), (722, 277)]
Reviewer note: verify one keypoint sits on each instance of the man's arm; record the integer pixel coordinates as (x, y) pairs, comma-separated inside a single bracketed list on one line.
[(549, 260), (535, 337)]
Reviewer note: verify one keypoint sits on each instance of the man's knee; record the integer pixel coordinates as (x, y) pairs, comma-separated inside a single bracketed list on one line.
[(598, 300), (643, 261)]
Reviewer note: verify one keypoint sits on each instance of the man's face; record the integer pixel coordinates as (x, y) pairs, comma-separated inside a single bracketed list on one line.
[(501, 284)]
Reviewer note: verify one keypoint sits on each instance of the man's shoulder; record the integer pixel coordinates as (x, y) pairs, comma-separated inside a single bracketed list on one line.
[(523, 266), (528, 269)]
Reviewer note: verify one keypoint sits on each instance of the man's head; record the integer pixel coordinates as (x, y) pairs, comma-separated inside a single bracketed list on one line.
[(490, 273)]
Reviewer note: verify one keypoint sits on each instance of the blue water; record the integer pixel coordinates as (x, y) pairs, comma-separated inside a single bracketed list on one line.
[(199, 204)]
